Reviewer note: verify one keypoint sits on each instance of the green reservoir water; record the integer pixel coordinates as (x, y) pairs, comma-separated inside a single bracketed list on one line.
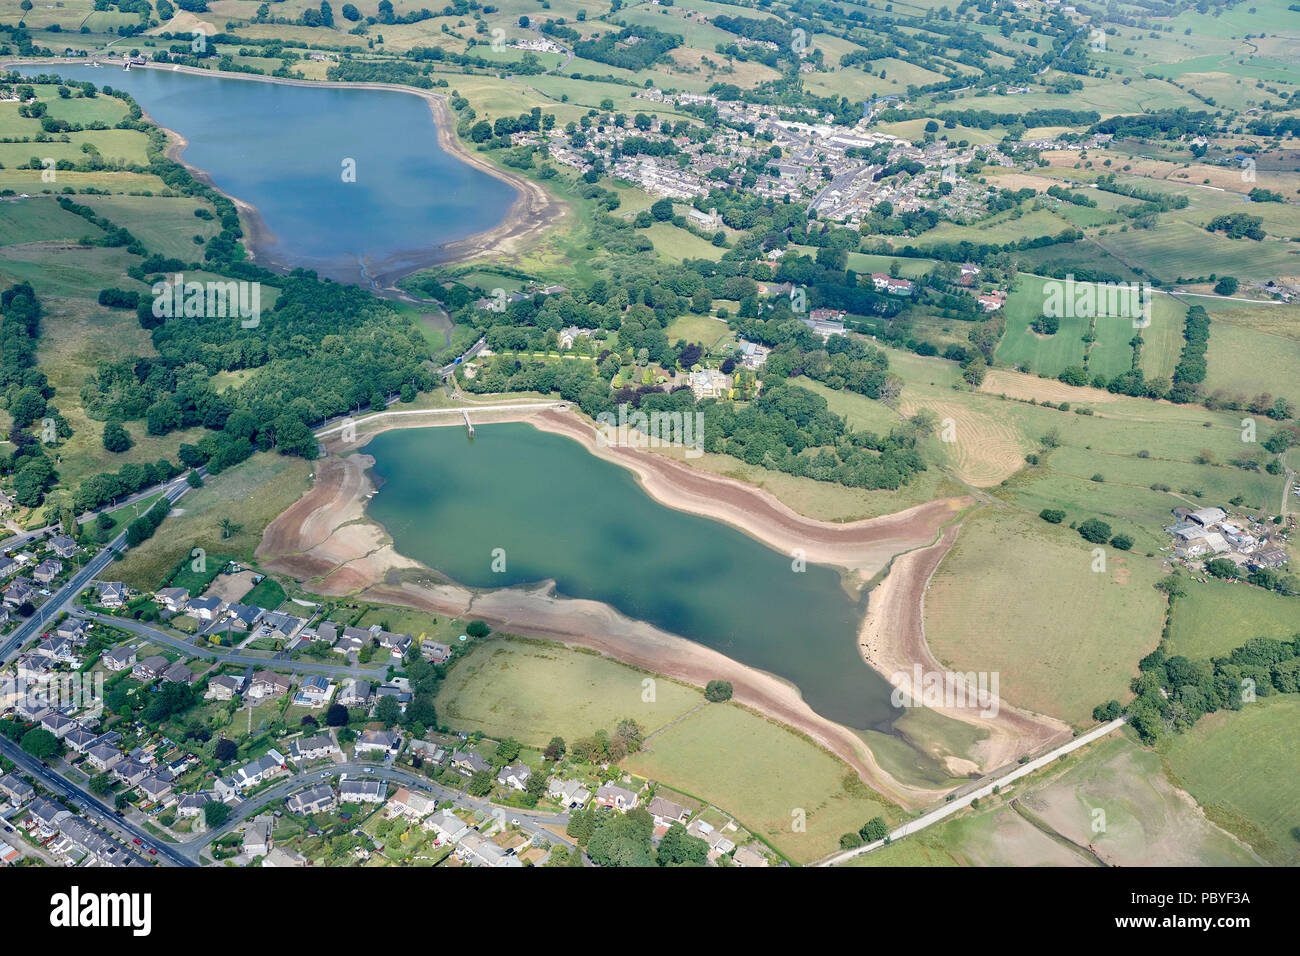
[(561, 513), (282, 148)]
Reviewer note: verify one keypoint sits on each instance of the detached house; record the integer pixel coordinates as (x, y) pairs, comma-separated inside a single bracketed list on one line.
[(616, 798), (112, 594), (397, 644), (355, 693), (151, 668), (258, 771), (173, 599), (449, 827), (666, 812), (47, 571), (206, 609), (63, 546), (515, 776), (225, 687), (313, 748), (19, 592), (410, 804), (381, 741), (104, 756), (178, 673), (435, 652), (267, 684), (469, 761), (16, 789), (569, 793)]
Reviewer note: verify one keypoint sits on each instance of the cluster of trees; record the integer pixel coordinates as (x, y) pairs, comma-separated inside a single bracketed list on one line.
[(1191, 368), (1237, 225), (25, 391), (624, 839), (1173, 692), (648, 47), (874, 829)]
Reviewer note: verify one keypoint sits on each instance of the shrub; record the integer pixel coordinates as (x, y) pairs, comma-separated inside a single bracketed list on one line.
[(1094, 530), (1052, 515)]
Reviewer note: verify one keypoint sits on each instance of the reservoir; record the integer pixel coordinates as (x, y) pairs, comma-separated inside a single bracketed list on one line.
[(551, 510), (349, 182)]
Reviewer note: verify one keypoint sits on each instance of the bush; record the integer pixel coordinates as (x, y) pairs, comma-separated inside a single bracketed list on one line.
[(478, 629), (1094, 530), (717, 691), (1052, 515), (1121, 542)]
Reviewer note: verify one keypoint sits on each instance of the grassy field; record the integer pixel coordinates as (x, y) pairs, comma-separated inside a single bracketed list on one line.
[(763, 773), (1143, 817), (250, 494), (1213, 618), (1253, 349), (1242, 767), (531, 690), (1019, 597)]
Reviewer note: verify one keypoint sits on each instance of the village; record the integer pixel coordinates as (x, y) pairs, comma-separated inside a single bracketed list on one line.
[(843, 173), (345, 769)]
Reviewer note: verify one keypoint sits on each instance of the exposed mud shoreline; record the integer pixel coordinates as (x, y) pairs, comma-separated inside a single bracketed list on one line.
[(326, 540), (533, 212)]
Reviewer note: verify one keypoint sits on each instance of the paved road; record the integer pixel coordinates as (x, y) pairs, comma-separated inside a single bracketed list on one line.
[(234, 657), (530, 820), (92, 807), (25, 536), (75, 585), (948, 809)]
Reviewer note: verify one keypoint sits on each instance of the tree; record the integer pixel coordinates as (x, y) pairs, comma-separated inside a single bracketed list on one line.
[(1226, 286), (555, 749), (717, 691), (388, 711), (225, 750), (1110, 711), (480, 785), (1121, 542), (1052, 515), (508, 750), (1094, 530), (478, 629), (662, 210), (40, 743), (336, 716), (874, 829), (679, 848), (215, 814), (1222, 568), (116, 438), (101, 783)]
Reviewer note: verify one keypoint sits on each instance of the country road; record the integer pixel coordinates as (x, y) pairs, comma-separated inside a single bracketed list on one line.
[(960, 803)]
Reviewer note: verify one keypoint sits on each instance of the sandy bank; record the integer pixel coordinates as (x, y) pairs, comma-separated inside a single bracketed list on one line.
[(325, 540), (892, 640)]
